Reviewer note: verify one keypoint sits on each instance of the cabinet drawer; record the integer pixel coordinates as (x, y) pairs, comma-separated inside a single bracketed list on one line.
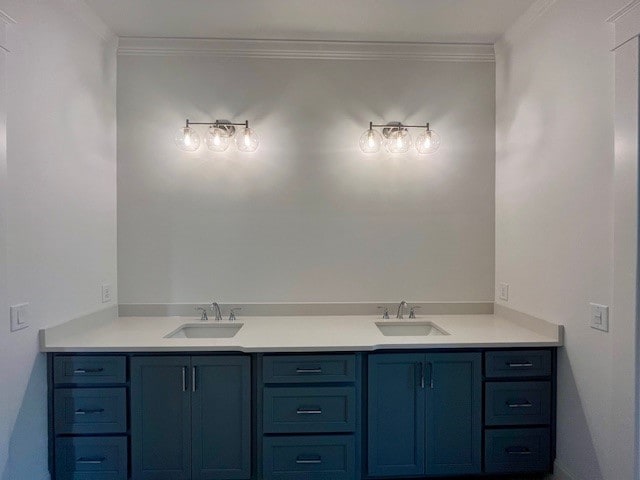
[(309, 409), (309, 368), (518, 363), (309, 458), (517, 450), (517, 403), (89, 369), (90, 410), (91, 458)]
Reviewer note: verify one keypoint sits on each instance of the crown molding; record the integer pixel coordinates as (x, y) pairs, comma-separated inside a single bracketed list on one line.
[(626, 22), (6, 18), (525, 21), (306, 49)]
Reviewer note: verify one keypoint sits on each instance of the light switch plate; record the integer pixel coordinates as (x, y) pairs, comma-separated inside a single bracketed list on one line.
[(599, 317), (504, 292), (19, 315), (106, 293)]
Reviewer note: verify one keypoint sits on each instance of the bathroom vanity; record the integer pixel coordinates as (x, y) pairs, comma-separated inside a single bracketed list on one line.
[(370, 406)]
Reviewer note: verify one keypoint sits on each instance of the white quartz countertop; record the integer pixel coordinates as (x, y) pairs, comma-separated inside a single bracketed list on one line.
[(299, 334)]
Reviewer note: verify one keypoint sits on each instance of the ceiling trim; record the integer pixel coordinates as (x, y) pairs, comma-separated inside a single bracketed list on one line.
[(626, 22), (523, 23), (623, 11), (6, 18), (85, 14), (307, 49)]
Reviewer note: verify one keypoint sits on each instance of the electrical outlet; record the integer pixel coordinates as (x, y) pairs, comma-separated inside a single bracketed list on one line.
[(19, 315), (504, 292), (106, 293), (600, 317)]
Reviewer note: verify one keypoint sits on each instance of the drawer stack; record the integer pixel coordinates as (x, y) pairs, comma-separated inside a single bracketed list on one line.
[(518, 414), (89, 417), (309, 417)]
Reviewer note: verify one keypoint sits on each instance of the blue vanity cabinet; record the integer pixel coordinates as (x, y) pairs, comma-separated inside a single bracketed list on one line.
[(191, 417), (424, 414)]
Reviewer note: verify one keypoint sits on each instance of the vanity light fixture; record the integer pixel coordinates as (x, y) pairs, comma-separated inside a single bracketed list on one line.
[(396, 138), (218, 137)]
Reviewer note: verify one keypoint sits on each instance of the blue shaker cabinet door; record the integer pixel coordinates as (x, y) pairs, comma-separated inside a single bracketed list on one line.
[(160, 418), (221, 417), (396, 399), (454, 413)]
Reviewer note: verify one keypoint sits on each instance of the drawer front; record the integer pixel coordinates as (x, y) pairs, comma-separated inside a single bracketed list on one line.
[(89, 369), (91, 458), (517, 403), (517, 450), (519, 363), (309, 410), (90, 410), (309, 458), (309, 368)]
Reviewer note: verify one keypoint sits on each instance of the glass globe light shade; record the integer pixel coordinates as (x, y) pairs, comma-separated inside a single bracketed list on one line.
[(187, 139), (370, 141), (247, 140), (217, 139), (428, 142), (399, 141)]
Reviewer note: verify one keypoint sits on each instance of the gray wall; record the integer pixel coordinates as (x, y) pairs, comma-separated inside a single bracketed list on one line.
[(61, 202), (307, 217)]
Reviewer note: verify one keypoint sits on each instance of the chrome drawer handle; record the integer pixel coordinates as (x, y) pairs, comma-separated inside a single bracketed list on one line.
[(520, 365), (521, 451), (309, 411), (308, 461), (91, 461), (520, 405), (308, 370), (83, 411), (83, 371)]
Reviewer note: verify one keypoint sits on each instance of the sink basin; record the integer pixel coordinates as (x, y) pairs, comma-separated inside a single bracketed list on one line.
[(409, 329), (206, 330)]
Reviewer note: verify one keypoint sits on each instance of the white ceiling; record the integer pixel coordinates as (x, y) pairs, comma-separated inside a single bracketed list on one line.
[(455, 21)]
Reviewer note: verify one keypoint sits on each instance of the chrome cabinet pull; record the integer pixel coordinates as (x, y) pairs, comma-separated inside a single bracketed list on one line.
[(84, 411), (308, 461), (517, 451), (519, 365), (83, 371), (524, 404), (308, 370), (193, 379), (421, 367), (430, 374), (184, 379), (309, 411), (89, 460)]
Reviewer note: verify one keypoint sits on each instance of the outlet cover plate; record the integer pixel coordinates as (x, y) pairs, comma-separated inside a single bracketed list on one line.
[(600, 317), (504, 292), (19, 315), (106, 293)]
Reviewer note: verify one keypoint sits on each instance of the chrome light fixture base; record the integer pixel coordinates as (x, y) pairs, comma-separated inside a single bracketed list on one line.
[(226, 128), (397, 138)]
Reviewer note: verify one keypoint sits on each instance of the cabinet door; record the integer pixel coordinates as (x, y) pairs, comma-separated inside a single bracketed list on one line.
[(221, 417), (160, 418), (454, 413), (396, 436)]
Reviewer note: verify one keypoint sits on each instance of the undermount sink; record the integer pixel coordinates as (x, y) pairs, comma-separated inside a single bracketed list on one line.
[(206, 330), (409, 329)]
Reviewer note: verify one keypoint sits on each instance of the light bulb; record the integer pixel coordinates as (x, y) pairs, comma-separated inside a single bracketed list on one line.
[(217, 139), (370, 141), (399, 141), (428, 142), (247, 140), (187, 139)]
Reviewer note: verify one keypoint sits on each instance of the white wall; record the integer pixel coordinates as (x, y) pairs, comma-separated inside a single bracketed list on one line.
[(554, 218), (307, 217), (61, 232)]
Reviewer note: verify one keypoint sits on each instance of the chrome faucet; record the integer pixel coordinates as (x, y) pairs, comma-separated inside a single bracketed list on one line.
[(204, 317), (215, 309), (401, 307)]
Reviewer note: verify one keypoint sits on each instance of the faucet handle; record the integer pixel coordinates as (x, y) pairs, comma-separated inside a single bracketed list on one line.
[(203, 317), (232, 313), (385, 315), (412, 313)]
